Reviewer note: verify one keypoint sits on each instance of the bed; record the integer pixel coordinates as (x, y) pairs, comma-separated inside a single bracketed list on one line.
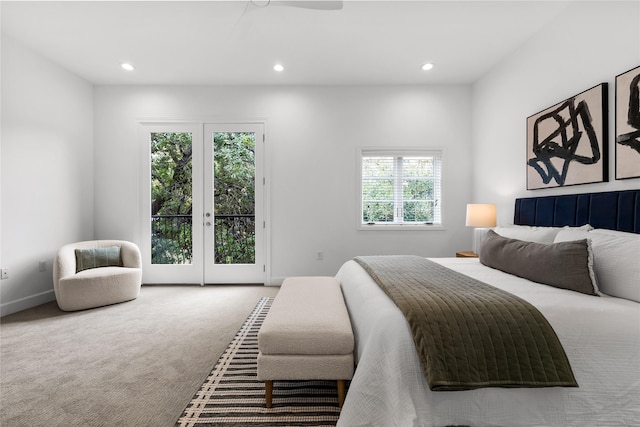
[(600, 334)]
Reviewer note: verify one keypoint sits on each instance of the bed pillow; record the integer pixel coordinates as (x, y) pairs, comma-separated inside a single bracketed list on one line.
[(615, 232), (615, 261), (534, 234), (562, 265), (98, 257)]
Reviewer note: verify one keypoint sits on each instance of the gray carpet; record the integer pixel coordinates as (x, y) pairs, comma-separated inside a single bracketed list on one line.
[(137, 363)]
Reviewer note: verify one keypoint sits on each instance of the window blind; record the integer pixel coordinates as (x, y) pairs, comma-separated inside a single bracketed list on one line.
[(401, 187)]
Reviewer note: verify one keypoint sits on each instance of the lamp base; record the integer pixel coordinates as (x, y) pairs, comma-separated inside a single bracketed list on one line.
[(479, 234)]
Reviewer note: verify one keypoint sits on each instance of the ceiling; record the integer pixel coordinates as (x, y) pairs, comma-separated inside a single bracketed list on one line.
[(238, 42)]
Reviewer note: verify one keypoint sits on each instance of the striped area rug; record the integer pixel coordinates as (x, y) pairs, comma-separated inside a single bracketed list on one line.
[(232, 395)]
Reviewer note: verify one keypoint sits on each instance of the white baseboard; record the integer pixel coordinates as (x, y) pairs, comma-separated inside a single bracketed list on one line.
[(26, 302), (275, 281)]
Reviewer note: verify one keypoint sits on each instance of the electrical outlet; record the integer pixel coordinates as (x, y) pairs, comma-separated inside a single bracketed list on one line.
[(42, 266), (5, 274)]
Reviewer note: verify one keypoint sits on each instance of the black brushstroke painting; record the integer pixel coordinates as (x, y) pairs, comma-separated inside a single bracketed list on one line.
[(567, 142), (569, 134), (632, 139)]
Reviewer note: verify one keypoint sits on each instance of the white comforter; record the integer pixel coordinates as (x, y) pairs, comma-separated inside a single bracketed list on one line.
[(601, 336)]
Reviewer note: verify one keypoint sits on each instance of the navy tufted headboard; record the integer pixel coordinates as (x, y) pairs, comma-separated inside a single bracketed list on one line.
[(614, 210)]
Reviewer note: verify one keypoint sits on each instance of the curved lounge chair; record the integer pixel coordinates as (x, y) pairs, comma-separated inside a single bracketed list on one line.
[(96, 273)]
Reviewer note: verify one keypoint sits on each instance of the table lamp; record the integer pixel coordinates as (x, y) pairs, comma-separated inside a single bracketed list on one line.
[(480, 216)]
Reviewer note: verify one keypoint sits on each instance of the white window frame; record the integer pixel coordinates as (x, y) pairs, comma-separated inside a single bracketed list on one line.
[(438, 223)]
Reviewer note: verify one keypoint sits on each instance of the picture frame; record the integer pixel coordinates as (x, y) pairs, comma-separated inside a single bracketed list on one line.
[(627, 120), (567, 143)]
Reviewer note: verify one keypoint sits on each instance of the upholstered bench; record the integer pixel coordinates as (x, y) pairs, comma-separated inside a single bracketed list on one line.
[(306, 335)]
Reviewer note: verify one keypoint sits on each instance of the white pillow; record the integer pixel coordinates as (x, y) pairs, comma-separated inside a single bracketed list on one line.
[(528, 233), (614, 232), (568, 234), (615, 261)]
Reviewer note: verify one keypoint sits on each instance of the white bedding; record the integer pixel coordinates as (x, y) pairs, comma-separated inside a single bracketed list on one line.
[(601, 336)]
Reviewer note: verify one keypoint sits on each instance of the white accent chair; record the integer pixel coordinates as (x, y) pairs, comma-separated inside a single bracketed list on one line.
[(96, 287)]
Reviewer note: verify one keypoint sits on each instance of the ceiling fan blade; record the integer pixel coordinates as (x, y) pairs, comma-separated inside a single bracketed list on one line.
[(310, 4)]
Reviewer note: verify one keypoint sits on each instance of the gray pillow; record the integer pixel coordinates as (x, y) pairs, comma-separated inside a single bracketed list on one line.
[(563, 265), (98, 257)]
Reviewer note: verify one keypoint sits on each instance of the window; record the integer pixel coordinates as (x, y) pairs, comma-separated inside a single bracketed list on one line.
[(400, 187)]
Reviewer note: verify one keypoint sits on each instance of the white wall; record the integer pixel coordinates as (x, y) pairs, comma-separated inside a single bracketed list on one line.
[(590, 43), (312, 139), (47, 171)]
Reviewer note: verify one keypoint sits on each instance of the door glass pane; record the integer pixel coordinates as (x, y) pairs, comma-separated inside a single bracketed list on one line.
[(234, 197), (171, 198)]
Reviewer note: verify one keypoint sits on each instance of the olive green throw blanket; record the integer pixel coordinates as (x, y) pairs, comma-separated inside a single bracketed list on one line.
[(469, 334)]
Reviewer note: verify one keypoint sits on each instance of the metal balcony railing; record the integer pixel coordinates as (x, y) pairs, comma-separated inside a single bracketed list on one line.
[(172, 241), (235, 239)]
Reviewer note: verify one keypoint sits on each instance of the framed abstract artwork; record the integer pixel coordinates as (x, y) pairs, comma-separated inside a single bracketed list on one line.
[(567, 143), (628, 124)]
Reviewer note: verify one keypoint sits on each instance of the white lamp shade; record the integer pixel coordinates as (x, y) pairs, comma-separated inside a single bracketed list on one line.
[(481, 215)]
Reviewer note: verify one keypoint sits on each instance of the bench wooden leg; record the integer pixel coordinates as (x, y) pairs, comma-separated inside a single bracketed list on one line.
[(268, 392), (341, 392)]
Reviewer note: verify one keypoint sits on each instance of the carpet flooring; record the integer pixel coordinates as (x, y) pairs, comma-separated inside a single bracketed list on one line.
[(232, 395), (135, 364)]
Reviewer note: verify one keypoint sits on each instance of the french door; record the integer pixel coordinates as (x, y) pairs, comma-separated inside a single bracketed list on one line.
[(234, 222), (203, 213)]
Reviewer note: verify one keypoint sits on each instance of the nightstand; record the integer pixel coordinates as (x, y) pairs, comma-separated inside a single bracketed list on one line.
[(466, 254)]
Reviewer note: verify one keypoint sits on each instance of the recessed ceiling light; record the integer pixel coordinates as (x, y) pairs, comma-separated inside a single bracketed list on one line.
[(427, 66), (278, 67), (127, 66)]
